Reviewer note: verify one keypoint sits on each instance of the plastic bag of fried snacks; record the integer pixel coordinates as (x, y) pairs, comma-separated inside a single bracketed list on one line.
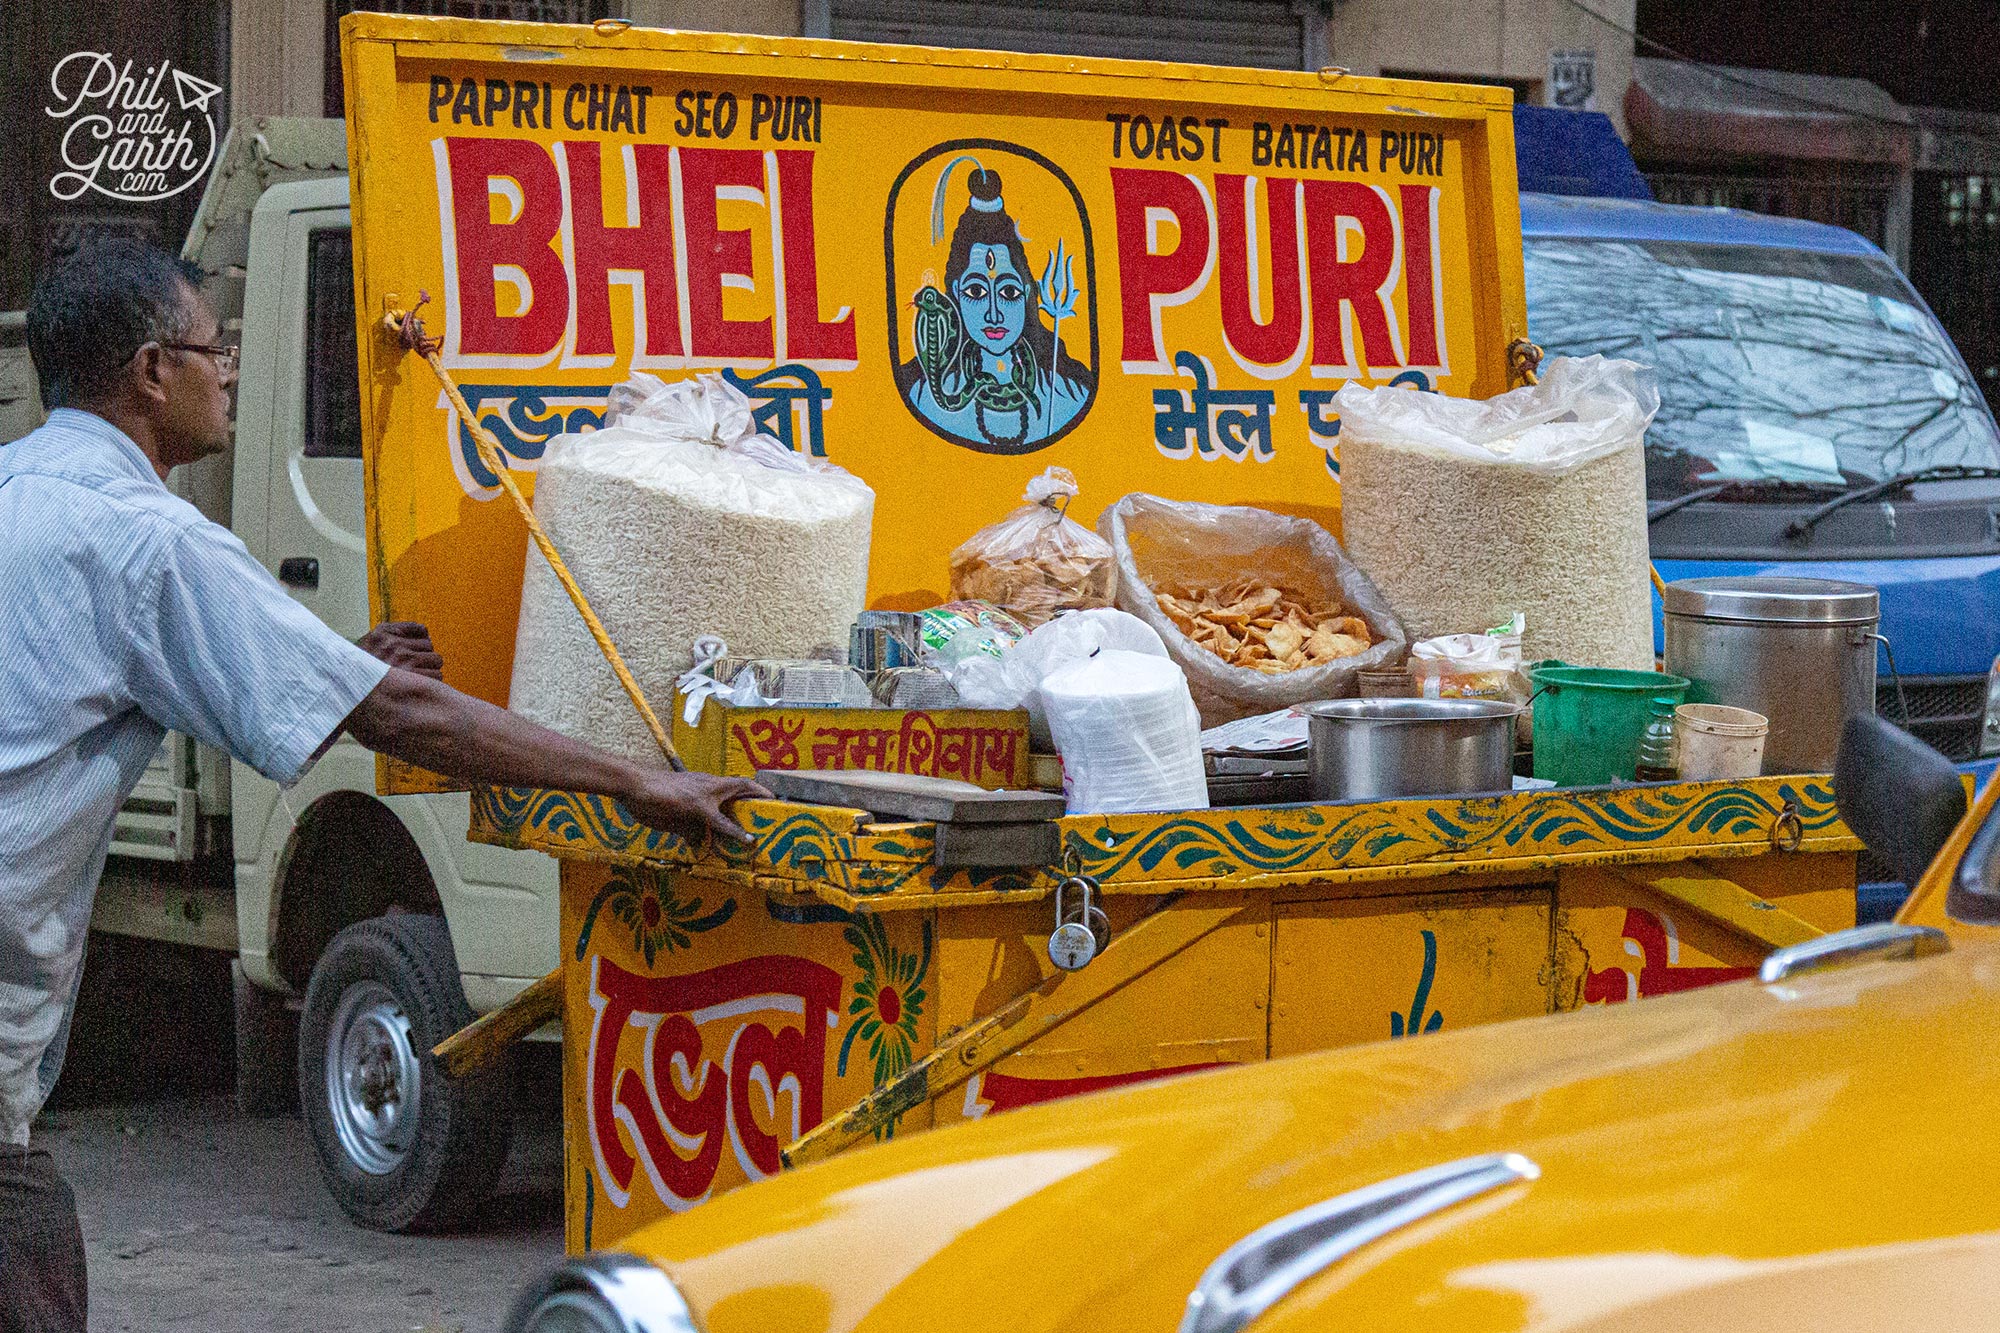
[(1037, 560), (1261, 610)]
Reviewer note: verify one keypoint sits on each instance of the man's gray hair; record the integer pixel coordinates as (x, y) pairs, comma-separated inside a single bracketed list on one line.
[(92, 313)]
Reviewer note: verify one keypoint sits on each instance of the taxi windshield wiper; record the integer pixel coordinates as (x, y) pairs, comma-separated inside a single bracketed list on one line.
[(1761, 488), (1804, 524)]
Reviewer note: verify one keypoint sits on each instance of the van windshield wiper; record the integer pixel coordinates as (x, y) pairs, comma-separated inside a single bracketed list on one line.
[(1763, 488), (1805, 523)]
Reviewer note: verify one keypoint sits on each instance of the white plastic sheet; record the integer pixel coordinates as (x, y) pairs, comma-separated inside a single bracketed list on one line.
[(1015, 679)]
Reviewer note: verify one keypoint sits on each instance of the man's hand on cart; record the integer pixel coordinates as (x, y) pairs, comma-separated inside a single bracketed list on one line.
[(405, 644), (684, 802)]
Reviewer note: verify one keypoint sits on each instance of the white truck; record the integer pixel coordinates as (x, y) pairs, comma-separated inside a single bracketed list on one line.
[(364, 928)]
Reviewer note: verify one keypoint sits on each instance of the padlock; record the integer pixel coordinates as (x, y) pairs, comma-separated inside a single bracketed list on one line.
[(1072, 946), (1081, 933)]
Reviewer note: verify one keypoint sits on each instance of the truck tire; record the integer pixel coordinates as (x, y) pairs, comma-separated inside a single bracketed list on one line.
[(402, 1147), (267, 1060)]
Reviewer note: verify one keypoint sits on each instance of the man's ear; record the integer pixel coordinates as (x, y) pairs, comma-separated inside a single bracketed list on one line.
[(148, 372)]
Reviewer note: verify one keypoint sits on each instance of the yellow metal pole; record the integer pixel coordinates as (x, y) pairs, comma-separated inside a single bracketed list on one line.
[(481, 1041), (408, 330)]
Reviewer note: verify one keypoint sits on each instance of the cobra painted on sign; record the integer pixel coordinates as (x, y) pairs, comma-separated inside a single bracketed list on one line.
[(721, 1054)]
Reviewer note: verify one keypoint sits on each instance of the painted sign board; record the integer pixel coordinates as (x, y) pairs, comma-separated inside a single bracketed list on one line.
[(942, 270)]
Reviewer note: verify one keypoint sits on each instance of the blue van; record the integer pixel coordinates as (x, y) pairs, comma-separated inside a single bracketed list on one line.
[(1815, 420)]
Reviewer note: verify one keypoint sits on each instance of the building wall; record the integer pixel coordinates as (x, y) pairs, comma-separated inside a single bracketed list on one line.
[(276, 53), (1486, 40), (771, 18), (277, 46)]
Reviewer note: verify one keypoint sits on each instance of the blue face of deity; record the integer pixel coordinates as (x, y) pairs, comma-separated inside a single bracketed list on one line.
[(992, 299)]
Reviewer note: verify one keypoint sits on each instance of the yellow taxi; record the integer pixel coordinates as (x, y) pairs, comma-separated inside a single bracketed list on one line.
[(1816, 1149)]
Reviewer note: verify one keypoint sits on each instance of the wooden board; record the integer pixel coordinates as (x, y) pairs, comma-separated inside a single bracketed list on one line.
[(908, 796)]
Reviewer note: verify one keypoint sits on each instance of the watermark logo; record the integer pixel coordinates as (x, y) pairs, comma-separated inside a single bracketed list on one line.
[(134, 137)]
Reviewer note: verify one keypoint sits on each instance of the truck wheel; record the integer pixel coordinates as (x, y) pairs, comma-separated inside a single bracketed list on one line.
[(402, 1147), (267, 1034)]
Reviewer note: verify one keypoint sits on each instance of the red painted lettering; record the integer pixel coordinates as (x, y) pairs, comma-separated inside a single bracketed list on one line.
[(1268, 348), (518, 251), (1659, 971), (807, 336), (716, 254), (641, 252), (1151, 279), (1420, 275), (673, 1115), (1342, 216)]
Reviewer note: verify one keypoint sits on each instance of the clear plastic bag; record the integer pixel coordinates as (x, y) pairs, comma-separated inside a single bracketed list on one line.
[(1162, 544), (1015, 679), (1584, 408), (708, 409), (1472, 666), (681, 521), (1464, 512), (1037, 560)]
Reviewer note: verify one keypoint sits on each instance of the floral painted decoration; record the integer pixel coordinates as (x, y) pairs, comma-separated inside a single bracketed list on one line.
[(659, 918), (888, 999)]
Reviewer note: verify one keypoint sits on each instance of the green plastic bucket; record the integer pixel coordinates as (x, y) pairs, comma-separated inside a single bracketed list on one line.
[(1588, 720)]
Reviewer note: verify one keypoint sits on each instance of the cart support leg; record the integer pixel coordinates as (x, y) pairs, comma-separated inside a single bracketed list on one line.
[(1726, 903), (480, 1042)]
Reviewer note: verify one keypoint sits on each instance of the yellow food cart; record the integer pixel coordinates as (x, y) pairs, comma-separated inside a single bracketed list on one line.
[(1215, 251), (831, 985)]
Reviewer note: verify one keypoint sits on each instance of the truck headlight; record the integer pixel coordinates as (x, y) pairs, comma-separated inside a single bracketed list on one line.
[(602, 1293), (1989, 730)]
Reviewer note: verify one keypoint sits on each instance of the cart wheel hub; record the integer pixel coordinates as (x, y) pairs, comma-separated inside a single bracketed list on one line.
[(373, 1078)]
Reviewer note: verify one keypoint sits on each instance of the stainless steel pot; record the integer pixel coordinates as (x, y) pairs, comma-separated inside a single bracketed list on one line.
[(1799, 651), (1366, 748)]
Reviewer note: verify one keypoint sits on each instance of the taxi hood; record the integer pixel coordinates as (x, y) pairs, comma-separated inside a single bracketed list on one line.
[(1791, 1148)]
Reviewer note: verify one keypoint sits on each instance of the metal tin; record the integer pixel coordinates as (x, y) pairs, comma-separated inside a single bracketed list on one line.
[(1775, 600), (1365, 748), (1799, 651)]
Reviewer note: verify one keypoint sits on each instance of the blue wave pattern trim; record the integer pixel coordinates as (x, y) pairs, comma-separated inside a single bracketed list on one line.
[(1211, 845), (1582, 822)]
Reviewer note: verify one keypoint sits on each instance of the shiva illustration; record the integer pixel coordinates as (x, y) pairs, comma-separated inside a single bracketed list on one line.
[(988, 370)]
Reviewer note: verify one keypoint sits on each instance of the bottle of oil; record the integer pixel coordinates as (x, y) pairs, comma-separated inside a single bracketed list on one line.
[(1657, 762)]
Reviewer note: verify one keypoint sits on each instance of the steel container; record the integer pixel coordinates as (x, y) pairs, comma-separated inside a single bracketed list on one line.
[(1799, 651), (1369, 748)]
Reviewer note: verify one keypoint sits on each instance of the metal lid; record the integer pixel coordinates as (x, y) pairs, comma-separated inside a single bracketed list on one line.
[(1412, 710), (1808, 601)]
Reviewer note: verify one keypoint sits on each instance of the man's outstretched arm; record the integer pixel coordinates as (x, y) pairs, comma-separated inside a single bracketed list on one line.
[(426, 722)]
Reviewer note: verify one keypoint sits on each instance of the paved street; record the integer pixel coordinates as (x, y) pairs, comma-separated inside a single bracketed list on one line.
[(196, 1218), (199, 1219)]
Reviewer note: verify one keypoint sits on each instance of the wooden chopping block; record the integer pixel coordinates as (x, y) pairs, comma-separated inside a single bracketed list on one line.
[(975, 827), (907, 796)]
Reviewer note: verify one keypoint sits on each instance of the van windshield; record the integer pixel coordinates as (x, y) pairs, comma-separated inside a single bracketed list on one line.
[(1775, 366)]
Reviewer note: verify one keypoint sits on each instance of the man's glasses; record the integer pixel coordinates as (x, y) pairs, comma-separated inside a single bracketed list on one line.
[(226, 358)]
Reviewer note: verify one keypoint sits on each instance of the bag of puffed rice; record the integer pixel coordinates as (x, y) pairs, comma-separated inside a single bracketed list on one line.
[(1037, 561), (680, 520), (1464, 512)]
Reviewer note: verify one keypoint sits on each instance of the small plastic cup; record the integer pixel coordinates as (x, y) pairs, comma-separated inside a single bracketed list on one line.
[(1716, 743)]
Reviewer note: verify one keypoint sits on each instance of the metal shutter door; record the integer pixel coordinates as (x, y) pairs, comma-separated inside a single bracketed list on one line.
[(1263, 33)]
